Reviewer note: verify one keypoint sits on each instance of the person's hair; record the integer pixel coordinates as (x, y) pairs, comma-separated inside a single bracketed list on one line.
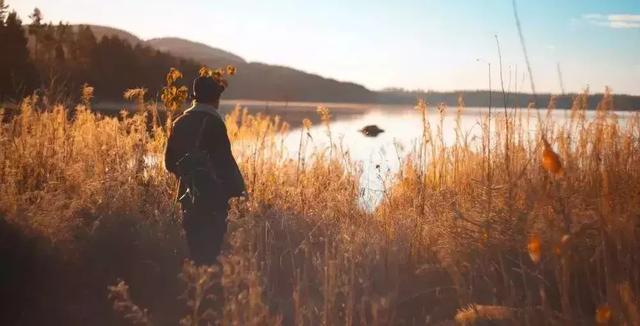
[(206, 89)]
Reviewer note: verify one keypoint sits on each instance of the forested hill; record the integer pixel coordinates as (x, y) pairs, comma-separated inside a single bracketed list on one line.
[(261, 81), (194, 50), (61, 58)]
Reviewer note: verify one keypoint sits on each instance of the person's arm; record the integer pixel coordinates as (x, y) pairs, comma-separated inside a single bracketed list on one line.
[(171, 154), (226, 167)]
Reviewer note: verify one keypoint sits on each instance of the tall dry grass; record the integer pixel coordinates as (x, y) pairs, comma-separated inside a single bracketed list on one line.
[(481, 230), (545, 224)]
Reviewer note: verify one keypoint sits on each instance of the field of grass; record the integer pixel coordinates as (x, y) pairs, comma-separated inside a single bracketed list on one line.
[(508, 227)]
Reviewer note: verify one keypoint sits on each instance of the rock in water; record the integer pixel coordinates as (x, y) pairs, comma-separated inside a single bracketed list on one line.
[(371, 131)]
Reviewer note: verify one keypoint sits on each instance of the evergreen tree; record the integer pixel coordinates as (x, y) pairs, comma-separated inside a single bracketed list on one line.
[(80, 54), (63, 41), (86, 44), (35, 29), (47, 46), (17, 74), (3, 11)]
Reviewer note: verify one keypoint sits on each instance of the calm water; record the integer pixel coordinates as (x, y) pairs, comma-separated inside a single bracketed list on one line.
[(379, 157)]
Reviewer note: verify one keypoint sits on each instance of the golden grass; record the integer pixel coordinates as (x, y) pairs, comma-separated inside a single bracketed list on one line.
[(489, 224)]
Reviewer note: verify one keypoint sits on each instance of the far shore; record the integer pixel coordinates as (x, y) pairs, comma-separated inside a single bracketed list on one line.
[(291, 112)]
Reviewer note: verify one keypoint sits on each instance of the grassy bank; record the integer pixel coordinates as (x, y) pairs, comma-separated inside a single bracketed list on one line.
[(499, 227)]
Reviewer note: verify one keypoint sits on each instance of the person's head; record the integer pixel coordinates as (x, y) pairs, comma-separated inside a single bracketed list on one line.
[(206, 90)]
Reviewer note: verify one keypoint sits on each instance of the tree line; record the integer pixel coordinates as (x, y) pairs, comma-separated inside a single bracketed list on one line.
[(55, 60)]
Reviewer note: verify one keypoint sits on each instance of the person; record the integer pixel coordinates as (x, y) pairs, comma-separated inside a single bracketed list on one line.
[(198, 152)]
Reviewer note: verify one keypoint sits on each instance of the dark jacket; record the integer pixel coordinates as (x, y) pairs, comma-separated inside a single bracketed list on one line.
[(214, 141)]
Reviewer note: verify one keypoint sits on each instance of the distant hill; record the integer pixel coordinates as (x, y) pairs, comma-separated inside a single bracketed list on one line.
[(100, 31), (253, 80), (266, 82), (194, 50)]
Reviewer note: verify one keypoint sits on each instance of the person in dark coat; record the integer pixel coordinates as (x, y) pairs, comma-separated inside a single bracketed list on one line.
[(204, 195)]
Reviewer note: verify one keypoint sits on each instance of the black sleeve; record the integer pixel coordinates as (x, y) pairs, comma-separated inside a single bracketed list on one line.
[(224, 162), (171, 153)]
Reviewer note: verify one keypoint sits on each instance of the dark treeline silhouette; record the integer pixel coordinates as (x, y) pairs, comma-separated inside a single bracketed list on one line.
[(17, 72), (58, 59)]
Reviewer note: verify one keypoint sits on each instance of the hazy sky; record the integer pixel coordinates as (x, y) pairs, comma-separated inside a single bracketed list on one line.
[(403, 43)]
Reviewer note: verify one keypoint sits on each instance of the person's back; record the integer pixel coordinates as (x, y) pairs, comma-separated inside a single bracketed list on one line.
[(211, 130), (201, 130)]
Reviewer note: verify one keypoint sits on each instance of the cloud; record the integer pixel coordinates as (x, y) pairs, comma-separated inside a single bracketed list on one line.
[(625, 21)]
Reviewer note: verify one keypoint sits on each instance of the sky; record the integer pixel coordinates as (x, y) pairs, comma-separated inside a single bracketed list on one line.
[(411, 44)]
